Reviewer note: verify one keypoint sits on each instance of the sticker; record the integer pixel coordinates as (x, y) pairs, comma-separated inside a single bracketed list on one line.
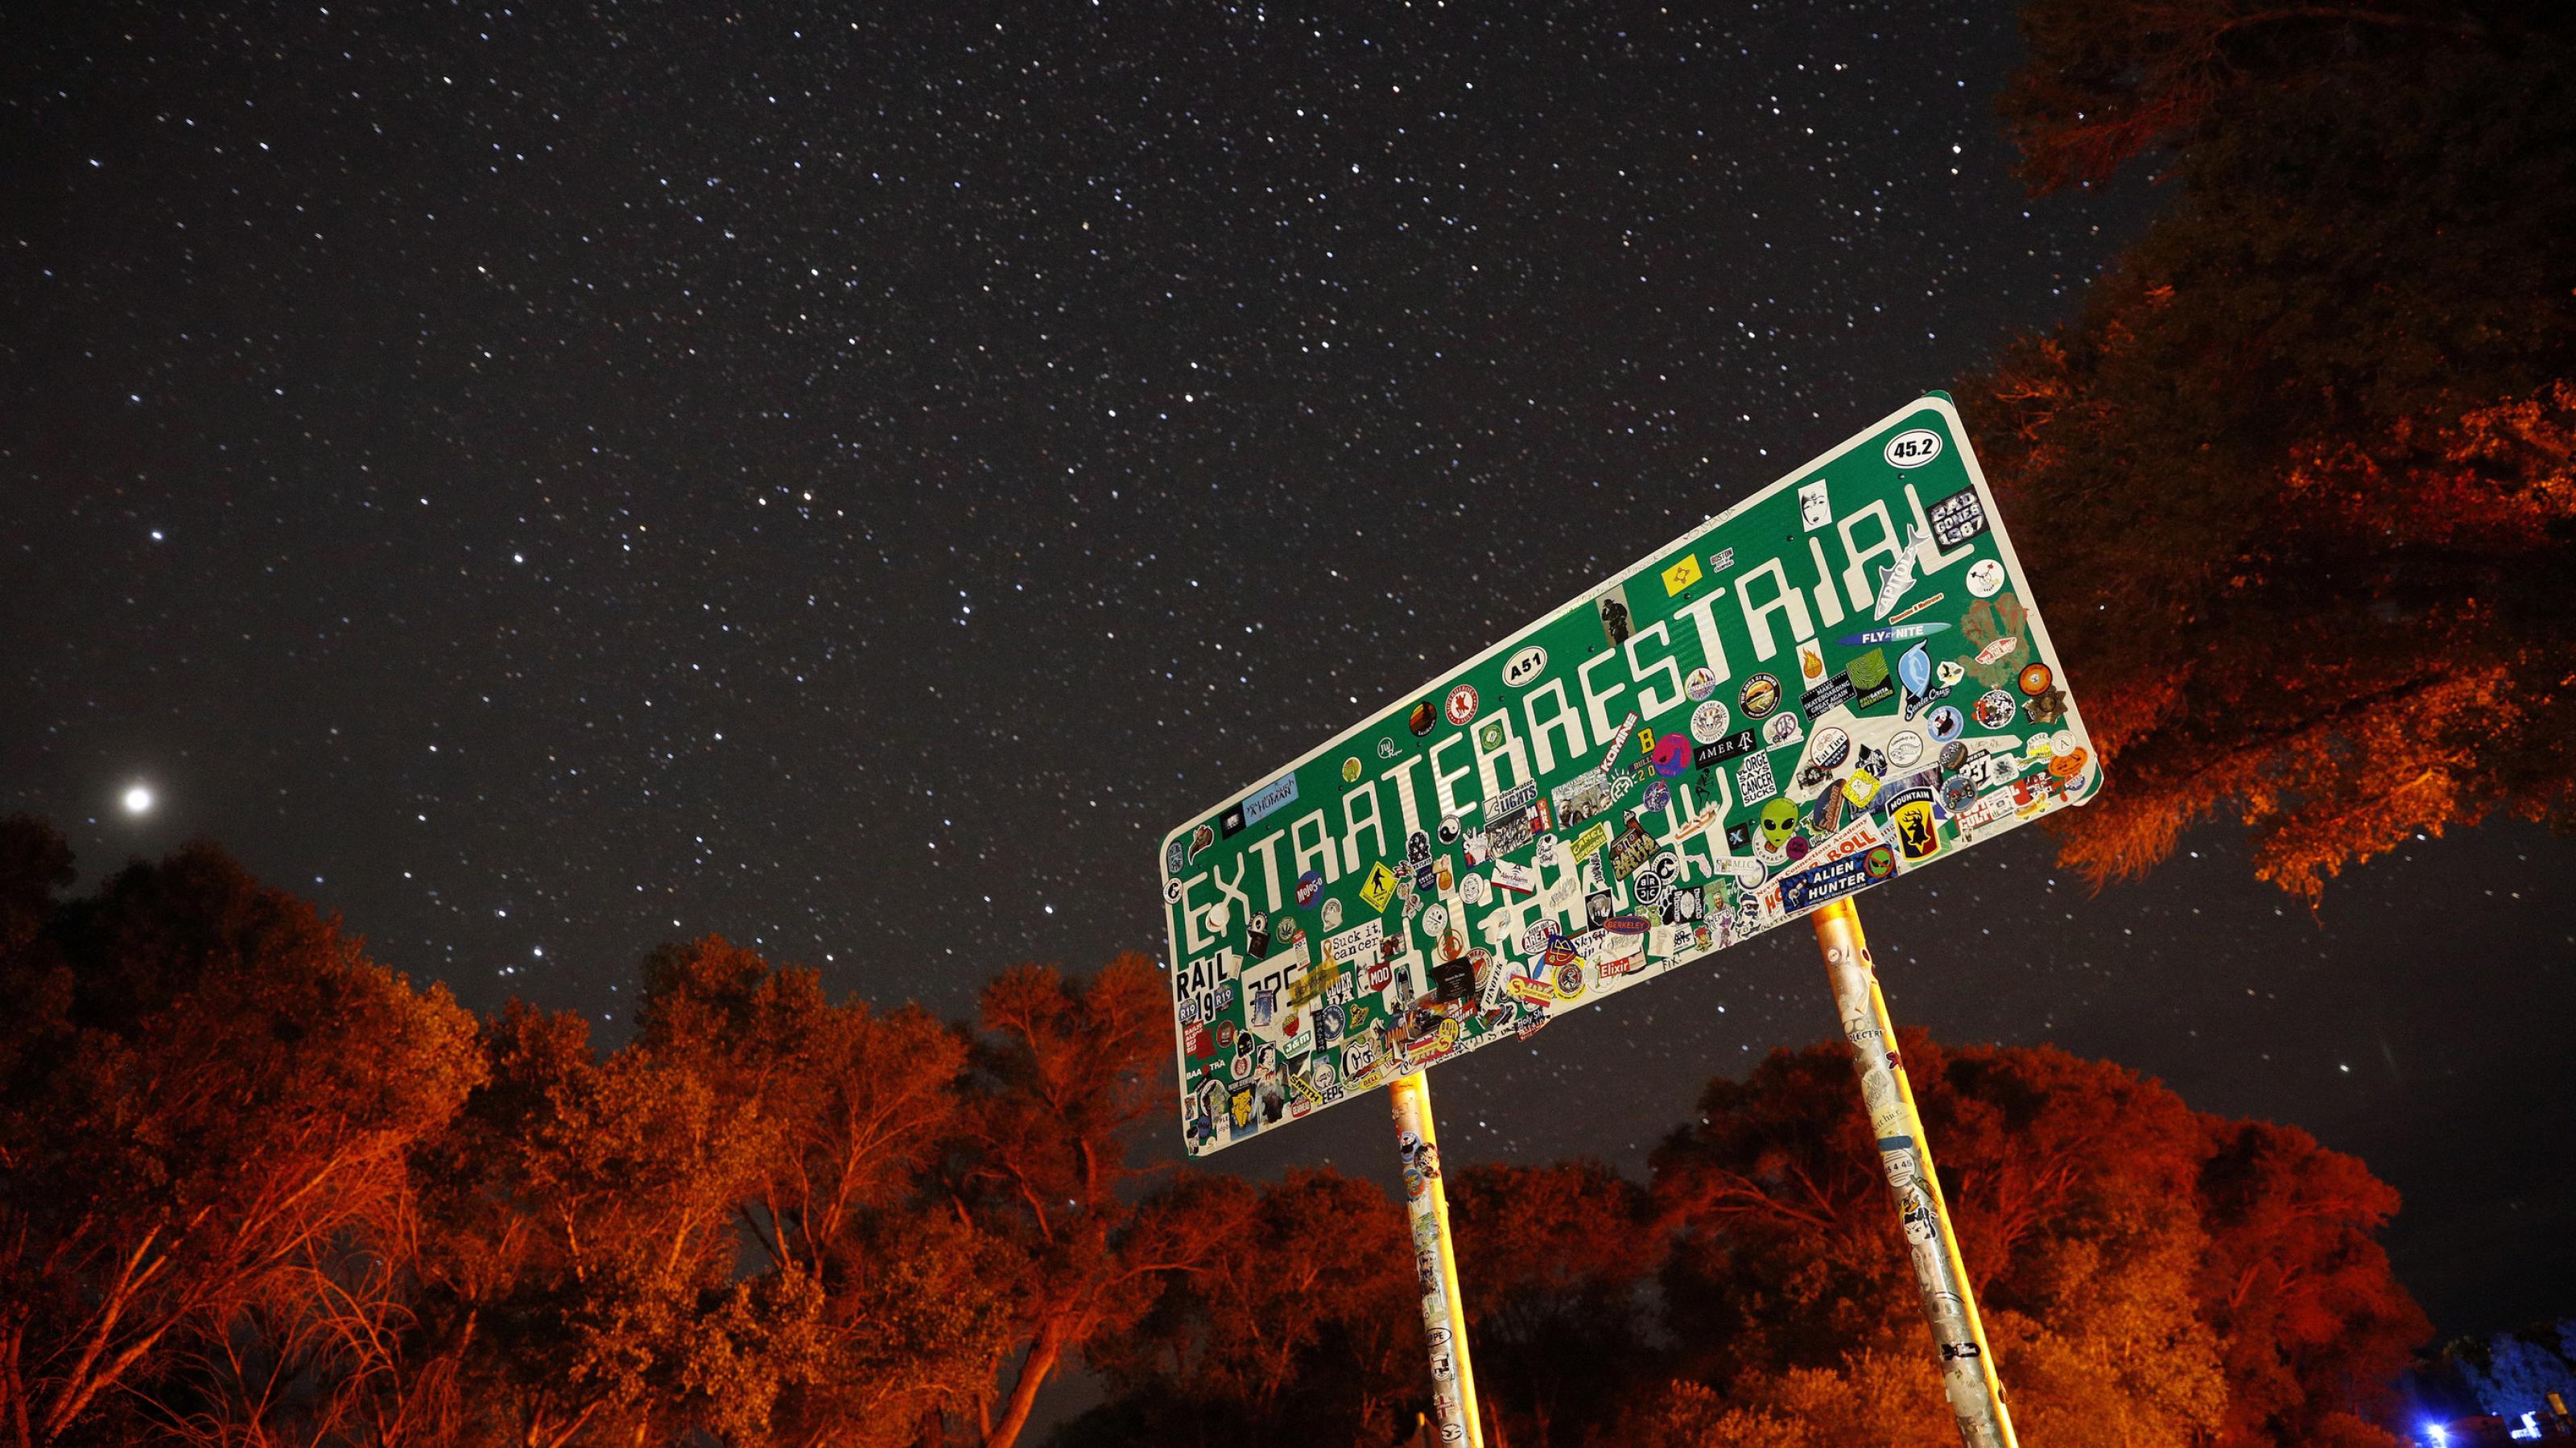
[(1333, 914), (1830, 749), (1590, 840), (1472, 890), (1905, 750), (1811, 660), (1985, 578), (1379, 887), (1493, 736), (1861, 788), (1386, 749), (1993, 653), (1783, 729), (1520, 879), (1815, 510), (1946, 723), (1708, 721), (1753, 779), (1700, 684), (1176, 856), (1913, 448), (1893, 633), (1911, 609), (1910, 815), (1759, 696), (1672, 756), (2035, 679), (1719, 751), (2069, 764), (1614, 619), (1899, 579), (1171, 892), (1231, 822), (1435, 919), (1682, 575), (1995, 710), (1360, 942), (1958, 518), (1462, 704), (1202, 838), (1420, 722), (1832, 694), (1525, 667), (1870, 681), (1269, 799)]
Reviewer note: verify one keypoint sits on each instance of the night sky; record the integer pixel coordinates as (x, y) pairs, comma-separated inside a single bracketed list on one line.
[(540, 484)]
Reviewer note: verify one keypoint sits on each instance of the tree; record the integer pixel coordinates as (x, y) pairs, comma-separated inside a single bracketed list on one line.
[(2300, 485), (1302, 1325), (1060, 1070), (1552, 1258), (208, 1098), (2147, 1274), (2109, 79), (910, 1303)]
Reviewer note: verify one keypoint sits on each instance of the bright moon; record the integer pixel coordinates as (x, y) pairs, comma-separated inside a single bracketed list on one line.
[(138, 800)]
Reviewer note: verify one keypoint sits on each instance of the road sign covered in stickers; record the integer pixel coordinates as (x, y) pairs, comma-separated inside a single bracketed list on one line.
[(1894, 699)]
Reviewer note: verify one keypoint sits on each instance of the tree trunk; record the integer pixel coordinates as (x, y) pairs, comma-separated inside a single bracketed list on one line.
[(1024, 1393)]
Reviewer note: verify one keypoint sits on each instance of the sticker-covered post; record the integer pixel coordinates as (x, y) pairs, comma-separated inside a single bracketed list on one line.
[(1940, 1274), (1426, 1209)]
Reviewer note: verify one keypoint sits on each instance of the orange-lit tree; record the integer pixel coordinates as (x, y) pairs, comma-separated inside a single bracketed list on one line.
[(2300, 485), (208, 1097)]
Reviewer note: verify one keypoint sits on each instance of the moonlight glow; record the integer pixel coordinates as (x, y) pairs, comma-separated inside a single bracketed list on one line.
[(138, 800)]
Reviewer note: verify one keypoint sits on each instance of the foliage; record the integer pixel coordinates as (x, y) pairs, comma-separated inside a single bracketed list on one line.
[(255, 1189), (2300, 485)]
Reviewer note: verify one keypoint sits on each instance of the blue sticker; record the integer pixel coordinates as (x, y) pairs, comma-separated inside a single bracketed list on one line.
[(1269, 799)]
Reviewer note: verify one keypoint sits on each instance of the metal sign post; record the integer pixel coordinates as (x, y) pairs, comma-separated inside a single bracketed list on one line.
[(1940, 1273), (1444, 1318)]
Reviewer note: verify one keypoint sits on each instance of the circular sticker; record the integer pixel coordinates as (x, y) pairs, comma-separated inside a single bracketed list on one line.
[(1435, 919), (1946, 723), (1646, 887), (1462, 704), (1783, 729), (1421, 719), (1332, 915), (1830, 749), (1309, 885), (1708, 721), (1672, 756), (1913, 448), (1569, 979), (2034, 679), (1171, 892), (1701, 683), (1450, 829), (2069, 764), (1879, 863), (1957, 793), (1797, 847), (1905, 749), (1351, 770), (1953, 755), (1759, 696), (1746, 870), (1290, 932), (1985, 578), (1386, 749), (1995, 710), (1472, 890)]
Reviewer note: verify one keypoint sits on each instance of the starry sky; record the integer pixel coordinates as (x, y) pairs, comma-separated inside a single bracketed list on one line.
[(543, 482)]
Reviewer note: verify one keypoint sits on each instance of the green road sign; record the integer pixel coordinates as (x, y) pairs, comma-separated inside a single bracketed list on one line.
[(1838, 680)]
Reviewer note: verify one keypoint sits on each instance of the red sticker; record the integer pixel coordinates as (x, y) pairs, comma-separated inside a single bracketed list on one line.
[(1462, 704)]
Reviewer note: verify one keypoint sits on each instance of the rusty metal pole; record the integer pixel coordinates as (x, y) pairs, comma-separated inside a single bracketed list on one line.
[(1940, 1273), (1444, 1319)]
